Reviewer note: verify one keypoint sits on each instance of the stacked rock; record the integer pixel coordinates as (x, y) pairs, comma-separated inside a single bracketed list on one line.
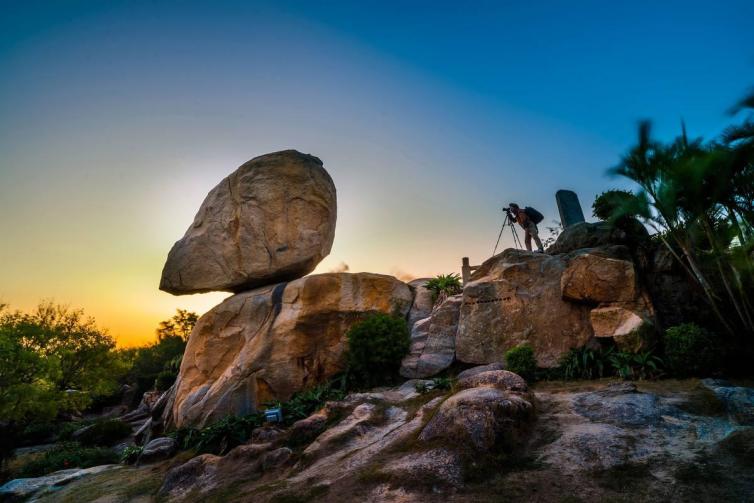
[(257, 234)]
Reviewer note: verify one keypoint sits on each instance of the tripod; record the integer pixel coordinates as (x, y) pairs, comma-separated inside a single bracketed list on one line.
[(509, 222)]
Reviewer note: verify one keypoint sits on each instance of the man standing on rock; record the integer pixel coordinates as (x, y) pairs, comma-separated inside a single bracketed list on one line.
[(527, 218)]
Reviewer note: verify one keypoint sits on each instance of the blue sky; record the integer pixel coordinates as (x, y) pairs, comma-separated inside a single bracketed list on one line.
[(116, 118)]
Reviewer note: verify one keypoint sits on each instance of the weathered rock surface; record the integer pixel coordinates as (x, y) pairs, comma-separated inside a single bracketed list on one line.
[(268, 343), (158, 448), (480, 418), (501, 379), (479, 369), (423, 303), (433, 341), (271, 220), (590, 277), (21, 489), (587, 235), (515, 297), (626, 327)]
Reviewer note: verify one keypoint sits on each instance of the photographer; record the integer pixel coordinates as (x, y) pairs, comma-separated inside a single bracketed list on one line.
[(528, 223)]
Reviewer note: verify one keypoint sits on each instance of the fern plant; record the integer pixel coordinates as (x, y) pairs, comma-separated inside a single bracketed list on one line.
[(447, 284)]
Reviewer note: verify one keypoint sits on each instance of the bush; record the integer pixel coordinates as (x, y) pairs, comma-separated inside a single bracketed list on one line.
[(691, 350), (643, 365), (105, 432), (130, 454), (68, 455), (376, 347), (304, 403), (449, 284), (520, 360), (220, 436), (585, 363), (165, 380), (612, 204)]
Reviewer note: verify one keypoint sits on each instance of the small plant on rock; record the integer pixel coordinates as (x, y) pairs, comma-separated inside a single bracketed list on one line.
[(521, 361), (376, 347), (130, 454), (444, 285)]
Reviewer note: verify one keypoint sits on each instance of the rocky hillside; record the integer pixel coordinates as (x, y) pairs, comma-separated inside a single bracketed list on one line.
[(488, 436)]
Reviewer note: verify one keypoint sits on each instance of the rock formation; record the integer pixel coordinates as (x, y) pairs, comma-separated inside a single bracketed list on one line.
[(516, 297), (271, 220), (266, 344)]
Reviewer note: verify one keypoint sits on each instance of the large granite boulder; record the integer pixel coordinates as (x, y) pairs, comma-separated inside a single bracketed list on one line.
[(481, 419), (271, 220), (515, 297), (268, 343), (433, 341), (588, 235), (596, 278)]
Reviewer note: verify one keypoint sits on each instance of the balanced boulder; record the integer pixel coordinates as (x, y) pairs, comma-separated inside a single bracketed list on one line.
[(271, 220), (266, 344)]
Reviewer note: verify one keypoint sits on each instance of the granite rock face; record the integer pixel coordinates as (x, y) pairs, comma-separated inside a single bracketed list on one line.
[(271, 220), (591, 277), (433, 341), (515, 297), (268, 343)]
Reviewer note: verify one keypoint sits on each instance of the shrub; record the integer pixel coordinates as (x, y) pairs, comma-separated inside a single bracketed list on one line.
[(691, 350), (130, 454), (585, 363), (220, 436), (165, 380), (612, 203), (104, 432), (520, 359), (376, 346), (449, 284), (304, 403), (68, 455)]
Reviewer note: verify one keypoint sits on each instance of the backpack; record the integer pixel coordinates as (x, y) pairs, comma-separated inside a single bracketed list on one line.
[(533, 214)]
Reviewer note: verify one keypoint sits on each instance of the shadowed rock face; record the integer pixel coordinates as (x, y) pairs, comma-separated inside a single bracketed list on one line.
[(268, 343), (271, 220)]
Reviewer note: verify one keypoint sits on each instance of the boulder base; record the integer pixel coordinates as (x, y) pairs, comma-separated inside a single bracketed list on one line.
[(266, 344), (515, 297)]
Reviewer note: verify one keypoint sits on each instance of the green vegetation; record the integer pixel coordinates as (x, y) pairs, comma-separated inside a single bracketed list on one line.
[(642, 365), (56, 364), (220, 436), (691, 350), (585, 363), (699, 199), (376, 347), (131, 453), (444, 284), (104, 433), (520, 360), (156, 365), (67, 455), (306, 402), (438, 383)]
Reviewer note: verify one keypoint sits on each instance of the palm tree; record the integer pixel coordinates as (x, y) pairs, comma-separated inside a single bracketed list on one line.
[(688, 189)]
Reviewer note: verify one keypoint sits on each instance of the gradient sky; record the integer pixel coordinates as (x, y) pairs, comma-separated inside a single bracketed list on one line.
[(116, 119)]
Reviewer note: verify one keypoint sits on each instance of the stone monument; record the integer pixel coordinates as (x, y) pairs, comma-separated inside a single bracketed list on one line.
[(569, 208)]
